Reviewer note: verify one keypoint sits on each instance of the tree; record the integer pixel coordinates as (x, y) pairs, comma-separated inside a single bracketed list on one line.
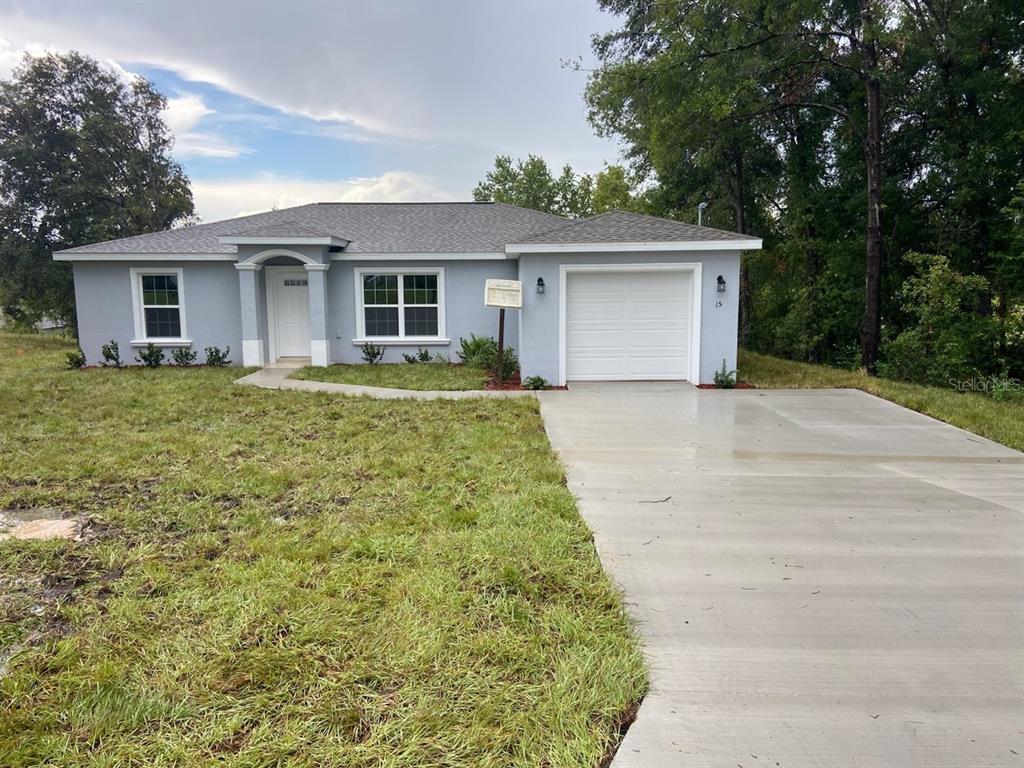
[(740, 64), (612, 190), (530, 184), (84, 157)]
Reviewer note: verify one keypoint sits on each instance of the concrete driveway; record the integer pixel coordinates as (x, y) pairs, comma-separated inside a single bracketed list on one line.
[(821, 578)]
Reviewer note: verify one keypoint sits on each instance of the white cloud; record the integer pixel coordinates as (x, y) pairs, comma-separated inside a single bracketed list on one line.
[(483, 74), (183, 112), (218, 199), (182, 115)]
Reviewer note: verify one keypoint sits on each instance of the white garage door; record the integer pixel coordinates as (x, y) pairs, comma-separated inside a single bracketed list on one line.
[(627, 325)]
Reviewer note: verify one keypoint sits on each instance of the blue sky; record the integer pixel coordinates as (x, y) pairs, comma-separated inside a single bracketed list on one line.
[(286, 103)]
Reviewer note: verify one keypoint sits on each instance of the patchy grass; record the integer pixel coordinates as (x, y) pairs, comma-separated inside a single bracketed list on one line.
[(420, 376), (288, 578), (977, 413)]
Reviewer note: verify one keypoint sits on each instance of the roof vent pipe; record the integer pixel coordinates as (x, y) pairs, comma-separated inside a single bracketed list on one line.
[(700, 213)]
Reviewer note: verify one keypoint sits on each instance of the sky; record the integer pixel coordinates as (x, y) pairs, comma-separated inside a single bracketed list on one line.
[(282, 103)]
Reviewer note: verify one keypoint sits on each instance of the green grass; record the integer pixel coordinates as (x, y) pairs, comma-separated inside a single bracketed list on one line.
[(422, 376), (289, 578), (977, 413)]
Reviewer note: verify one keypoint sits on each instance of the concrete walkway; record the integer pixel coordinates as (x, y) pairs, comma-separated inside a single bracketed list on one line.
[(820, 578), (276, 377)]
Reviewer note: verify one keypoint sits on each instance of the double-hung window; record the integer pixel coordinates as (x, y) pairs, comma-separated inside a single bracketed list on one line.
[(157, 299), (401, 305)]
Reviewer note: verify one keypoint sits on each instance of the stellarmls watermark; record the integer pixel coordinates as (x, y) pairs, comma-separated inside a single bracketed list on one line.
[(989, 385)]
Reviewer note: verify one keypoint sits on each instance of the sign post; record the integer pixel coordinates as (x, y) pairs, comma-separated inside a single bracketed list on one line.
[(503, 294)]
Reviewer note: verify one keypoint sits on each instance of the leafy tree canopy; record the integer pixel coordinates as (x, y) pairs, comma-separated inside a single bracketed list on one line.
[(530, 184), (84, 157)]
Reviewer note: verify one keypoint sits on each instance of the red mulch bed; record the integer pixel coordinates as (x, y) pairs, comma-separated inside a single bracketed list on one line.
[(513, 383)]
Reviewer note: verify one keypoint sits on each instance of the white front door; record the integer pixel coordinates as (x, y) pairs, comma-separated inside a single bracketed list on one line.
[(289, 312), (627, 325)]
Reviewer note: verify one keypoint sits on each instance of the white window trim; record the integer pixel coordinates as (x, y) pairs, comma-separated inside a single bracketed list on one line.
[(361, 337), (696, 294), (138, 315)]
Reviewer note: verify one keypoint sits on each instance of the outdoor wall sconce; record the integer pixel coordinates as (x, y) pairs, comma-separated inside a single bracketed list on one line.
[(540, 285), (721, 284)]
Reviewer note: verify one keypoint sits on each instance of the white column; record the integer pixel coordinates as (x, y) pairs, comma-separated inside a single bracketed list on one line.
[(319, 346), (252, 344)]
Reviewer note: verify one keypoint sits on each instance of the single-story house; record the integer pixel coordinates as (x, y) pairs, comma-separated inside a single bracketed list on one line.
[(616, 296)]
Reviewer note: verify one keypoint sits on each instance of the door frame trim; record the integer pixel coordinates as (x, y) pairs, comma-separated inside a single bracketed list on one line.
[(271, 289), (694, 268)]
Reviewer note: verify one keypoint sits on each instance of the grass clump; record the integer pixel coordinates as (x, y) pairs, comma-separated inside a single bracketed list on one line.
[(425, 376), (1002, 422), (273, 577)]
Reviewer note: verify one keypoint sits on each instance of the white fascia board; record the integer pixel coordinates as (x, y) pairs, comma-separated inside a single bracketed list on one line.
[(244, 240), (488, 256), (145, 257), (683, 245)]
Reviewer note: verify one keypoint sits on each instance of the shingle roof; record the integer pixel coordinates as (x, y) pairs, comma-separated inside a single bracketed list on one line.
[(624, 227), (370, 228), (287, 228)]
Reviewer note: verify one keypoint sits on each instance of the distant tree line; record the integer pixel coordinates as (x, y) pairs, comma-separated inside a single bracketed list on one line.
[(876, 145)]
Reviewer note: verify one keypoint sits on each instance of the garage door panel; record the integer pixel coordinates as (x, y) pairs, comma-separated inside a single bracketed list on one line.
[(600, 311), (649, 334), (628, 325), (663, 310), (597, 367), (584, 339), (656, 367)]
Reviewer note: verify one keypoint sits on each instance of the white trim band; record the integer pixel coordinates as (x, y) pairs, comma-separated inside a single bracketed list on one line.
[(683, 245), (408, 341), (145, 256), (487, 256)]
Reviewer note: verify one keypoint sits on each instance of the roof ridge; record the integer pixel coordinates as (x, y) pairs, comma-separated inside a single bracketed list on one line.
[(406, 202)]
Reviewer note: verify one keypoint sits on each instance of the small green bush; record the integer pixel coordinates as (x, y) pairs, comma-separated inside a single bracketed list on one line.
[(535, 382), (422, 356), (724, 378), (183, 356), (152, 356), (373, 353), (111, 355), (216, 358), (76, 360), (476, 349), (482, 352)]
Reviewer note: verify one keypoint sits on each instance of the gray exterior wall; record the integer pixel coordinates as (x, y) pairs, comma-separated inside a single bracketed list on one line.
[(540, 316), (465, 312), (103, 297)]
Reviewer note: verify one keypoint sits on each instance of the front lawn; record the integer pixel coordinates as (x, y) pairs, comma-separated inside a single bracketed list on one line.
[(421, 376), (977, 413), (291, 578)]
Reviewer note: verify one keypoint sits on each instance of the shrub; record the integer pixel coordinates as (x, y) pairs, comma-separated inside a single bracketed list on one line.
[(475, 349), (184, 356), (152, 356), (724, 378), (373, 353), (948, 340), (216, 358), (535, 382), (422, 356), (76, 360), (111, 355), (482, 352)]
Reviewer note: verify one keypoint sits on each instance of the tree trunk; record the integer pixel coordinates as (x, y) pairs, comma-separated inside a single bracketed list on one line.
[(871, 324), (740, 208)]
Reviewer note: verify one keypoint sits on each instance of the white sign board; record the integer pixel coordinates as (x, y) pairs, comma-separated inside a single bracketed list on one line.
[(507, 294)]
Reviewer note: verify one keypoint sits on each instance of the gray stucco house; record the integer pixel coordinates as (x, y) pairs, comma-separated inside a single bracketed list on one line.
[(617, 296)]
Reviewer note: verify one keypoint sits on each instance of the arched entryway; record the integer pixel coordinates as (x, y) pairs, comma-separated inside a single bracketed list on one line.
[(283, 307)]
